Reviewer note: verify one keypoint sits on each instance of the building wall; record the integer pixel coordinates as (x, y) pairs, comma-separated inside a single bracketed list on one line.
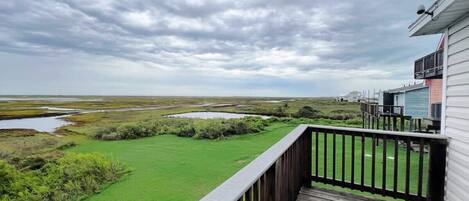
[(456, 111), (416, 103), (399, 99), (435, 87)]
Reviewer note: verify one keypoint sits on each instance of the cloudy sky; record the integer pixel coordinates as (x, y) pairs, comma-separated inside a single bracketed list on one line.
[(202, 47)]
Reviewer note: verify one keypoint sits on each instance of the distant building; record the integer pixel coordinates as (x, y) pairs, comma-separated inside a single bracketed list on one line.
[(353, 97), (414, 98)]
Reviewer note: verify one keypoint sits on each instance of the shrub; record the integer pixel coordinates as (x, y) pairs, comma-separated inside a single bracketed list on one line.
[(71, 177), (308, 112), (78, 175), (197, 128)]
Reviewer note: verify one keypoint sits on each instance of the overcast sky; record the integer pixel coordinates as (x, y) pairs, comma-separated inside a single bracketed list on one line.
[(199, 47)]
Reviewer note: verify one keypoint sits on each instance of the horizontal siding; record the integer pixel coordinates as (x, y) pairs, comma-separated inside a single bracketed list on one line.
[(416, 103), (460, 90), (458, 57), (458, 27), (458, 36), (458, 79), (457, 112), (458, 68), (458, 101), (459, 46)]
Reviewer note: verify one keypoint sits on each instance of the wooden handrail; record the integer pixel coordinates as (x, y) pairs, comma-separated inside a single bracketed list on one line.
[(281, 171), (237, 185)]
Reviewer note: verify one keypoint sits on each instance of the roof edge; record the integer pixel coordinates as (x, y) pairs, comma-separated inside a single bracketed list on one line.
[(437, 8)]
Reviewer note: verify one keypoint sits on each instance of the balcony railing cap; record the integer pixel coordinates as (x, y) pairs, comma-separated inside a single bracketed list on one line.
[(380, 132), (235, 186)]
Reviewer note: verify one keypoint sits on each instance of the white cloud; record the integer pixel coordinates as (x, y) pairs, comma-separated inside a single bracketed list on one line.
[(142, 19)]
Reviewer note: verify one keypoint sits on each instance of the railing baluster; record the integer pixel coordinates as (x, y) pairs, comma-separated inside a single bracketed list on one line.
[(373, 159), (343, 157), (308, 158), (362, 179), (396, 162), (262, 190), (248, 195), (352, 176), (407, 168), (316, 158), (325, 155), (333, 155), (421, 150), (384, 165)]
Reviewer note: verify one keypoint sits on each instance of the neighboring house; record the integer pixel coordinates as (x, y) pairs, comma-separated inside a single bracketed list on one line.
[(430, 69), (353, 97), (451, 18), (414, 99)]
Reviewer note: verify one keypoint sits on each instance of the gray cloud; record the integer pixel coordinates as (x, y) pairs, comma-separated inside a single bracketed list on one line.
[(257, 37)]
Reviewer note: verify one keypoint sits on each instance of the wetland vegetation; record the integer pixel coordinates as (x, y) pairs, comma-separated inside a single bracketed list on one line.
[(175, 159)]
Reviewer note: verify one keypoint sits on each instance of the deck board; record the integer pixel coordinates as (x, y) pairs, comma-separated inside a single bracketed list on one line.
[(317, 194)]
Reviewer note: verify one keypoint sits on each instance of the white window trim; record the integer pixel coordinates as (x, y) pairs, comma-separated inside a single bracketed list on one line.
[(445, 78)]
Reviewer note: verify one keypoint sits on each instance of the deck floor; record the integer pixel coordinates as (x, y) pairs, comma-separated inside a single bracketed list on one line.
[(317, 194)]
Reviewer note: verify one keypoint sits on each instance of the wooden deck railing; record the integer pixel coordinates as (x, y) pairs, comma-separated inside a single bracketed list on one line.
[(339, 156), (376, 110), (430, 66)]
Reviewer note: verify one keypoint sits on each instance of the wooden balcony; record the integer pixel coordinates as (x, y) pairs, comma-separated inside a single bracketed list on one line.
[(381, 110), (347, 158), (430, 66)]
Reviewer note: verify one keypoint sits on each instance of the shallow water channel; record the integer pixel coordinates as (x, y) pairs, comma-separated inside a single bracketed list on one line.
[(42, 124)]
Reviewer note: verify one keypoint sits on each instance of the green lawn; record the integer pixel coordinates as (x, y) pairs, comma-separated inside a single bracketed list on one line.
[(175, 168)]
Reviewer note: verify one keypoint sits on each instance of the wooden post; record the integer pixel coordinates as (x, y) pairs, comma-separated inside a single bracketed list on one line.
[(363, 119), (369, 121), (411, 126), (389, 123), (384, 122), (278, 190), (402, 123), (394, 121), (377, 123), (437, 166), (269, 191), (419, 125), (308, 137)]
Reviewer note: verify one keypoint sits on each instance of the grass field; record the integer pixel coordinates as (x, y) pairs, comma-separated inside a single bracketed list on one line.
[(169, 167), (174, 168)]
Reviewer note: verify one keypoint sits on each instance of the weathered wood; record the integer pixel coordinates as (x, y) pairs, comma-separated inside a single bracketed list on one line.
[(352, 162), (317, 194), (362, 157), (396, 163), (333, 154), (383, 192), (437, 167), (373, 162), (407, 168)]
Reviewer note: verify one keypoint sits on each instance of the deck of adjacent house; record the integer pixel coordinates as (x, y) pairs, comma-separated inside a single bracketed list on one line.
[(317, 194)]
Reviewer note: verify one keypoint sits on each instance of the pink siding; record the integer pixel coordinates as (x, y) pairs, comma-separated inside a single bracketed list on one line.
[(435, 91), (435, 88)]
